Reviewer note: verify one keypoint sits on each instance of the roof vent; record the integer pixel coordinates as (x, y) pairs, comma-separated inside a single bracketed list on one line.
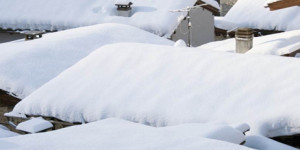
[(244, 40), (124, 8), (31, 35)]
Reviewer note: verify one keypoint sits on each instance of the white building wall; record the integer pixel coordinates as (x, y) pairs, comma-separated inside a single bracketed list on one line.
[(202, 30)]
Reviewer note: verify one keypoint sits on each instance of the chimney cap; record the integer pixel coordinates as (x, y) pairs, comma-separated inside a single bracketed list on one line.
[(123, 3)]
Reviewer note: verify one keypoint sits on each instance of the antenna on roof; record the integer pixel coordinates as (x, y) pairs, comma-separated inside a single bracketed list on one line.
[(188, 10)]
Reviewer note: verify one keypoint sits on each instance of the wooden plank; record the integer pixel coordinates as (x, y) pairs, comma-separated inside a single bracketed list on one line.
[(7, 99), (210, 8), (283, 4)]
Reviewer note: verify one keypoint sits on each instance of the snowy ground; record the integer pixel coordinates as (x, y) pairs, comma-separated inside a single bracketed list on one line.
[(116, 134), (164, 85), (27, 65), (275, 44)]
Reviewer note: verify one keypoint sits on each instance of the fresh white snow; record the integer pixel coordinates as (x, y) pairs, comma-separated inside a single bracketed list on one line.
[(116, 134), (4, 132), (151, 15), (164, 85), (123, 2), (27, 65), (275, 44), (253, 14), (180, 43), (34, 125)]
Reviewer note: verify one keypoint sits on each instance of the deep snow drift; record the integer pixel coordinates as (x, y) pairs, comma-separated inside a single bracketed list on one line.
[(151, 15), (163, 85), (253, 14), (116, 134), (275, 44), (27, 65)]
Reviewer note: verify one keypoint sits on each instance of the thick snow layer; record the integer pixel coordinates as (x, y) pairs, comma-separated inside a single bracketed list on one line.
[(27, 65), (253, 14), (263, 143), (180, 43), (123, 2), (115, 134), (222, 23), (151, 15), (4, 133), (275, 44), (164, 85), (212, 3), (34, 125)]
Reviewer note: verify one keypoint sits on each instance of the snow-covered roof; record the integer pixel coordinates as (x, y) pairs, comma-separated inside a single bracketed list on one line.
[(116, 134), (253, 14), (275, 44), (212, 3), (165, 85), (151, 15), (27, 65)]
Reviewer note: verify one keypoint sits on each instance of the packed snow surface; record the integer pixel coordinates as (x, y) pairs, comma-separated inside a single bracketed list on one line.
[(253, 14), (27, 65), (4, 132), (34, 125), (164, 85), (151, 15), (275, 44), (115, 134)]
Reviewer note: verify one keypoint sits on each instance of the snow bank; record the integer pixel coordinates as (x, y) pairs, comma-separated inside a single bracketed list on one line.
[(4, 133), (27, 65), (275, 44), (151, 15), (163, 85), (253, 14), (115, 134)]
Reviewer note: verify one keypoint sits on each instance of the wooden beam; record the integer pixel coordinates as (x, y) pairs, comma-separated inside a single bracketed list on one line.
[(7, 99), (210, 8), (283, 4)]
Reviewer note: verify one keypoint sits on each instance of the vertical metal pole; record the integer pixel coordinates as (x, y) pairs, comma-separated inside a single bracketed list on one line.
[(189, 28)]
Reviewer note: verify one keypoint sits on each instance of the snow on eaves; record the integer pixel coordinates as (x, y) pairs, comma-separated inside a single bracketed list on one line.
[(164, 85), (212, 3), (116, 134), (151, 15), (27, 65), (275, 44), (253, 14)]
